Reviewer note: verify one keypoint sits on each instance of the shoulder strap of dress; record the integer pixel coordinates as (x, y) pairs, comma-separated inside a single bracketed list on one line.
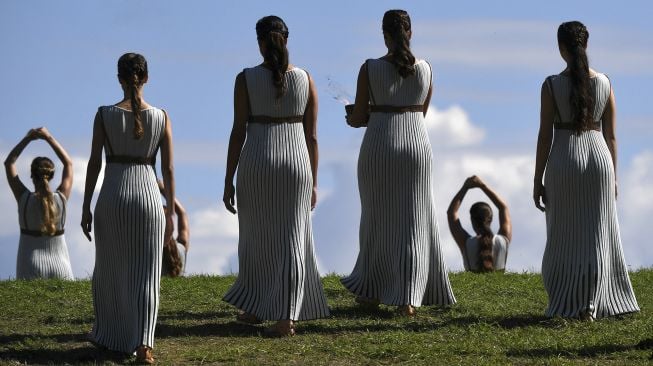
[(63, 209), (549, 83), (369, 82), (465, 256), (165, 126), (249, 104), (29, 195), (308, 87), (104, 130), (607, 100), (430, 76)]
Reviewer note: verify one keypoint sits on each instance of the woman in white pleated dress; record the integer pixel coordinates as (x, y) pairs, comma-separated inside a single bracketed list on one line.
[(42, 250), (273, 144), (485, 251), (130, 223), (400, 260), (583, 268)]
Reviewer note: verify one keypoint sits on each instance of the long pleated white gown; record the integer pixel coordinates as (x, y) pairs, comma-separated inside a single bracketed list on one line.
[(278, 276), (583, 266), (41, 256), (400, 260), (129, 225)]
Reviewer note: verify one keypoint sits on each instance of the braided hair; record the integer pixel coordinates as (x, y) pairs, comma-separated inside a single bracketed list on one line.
[(273, 33), (573, 37), (42, 170), (172, 264), (481, 214), (396, 25), (132, 70)]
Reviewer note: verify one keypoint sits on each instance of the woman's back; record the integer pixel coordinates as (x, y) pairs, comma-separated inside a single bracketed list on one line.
[(387, 87), (499, 253), (561, 91), (118, 125), (263, 94), (30, 212)]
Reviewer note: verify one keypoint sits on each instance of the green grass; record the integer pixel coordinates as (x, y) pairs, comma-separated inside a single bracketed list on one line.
[(498, 320)]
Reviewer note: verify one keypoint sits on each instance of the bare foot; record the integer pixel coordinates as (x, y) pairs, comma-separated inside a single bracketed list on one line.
[(407, 310), (144, 356), (283, 328)]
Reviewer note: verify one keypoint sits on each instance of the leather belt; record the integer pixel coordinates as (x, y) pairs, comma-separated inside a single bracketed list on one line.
[(39, 233), (571, 126), (396, 109), (269, 119), (125, 159)]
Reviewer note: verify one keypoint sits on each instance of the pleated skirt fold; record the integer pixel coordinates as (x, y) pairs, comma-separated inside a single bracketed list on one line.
[(278, 276), (400, 259), (583, 267), (43, 257), (129, 227)]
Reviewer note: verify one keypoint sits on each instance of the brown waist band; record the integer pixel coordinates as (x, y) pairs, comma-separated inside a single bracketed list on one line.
[(124, 159), (269, 119), (396, 109), (39, 233), (571, 126)]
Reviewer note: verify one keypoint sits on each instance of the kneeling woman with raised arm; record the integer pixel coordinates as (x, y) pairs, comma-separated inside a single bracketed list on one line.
[(42, 250), (484, 252)]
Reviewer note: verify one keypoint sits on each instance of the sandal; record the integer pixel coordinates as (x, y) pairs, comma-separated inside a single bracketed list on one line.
[(280, 331), (407, 310), (144, 356), (247, 319)]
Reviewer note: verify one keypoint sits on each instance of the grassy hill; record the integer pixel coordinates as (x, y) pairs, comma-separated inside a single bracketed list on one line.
[(498, 320)]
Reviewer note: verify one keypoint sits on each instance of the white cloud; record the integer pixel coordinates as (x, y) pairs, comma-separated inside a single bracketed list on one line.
[(636, 209), (452, 127), (214, 240)]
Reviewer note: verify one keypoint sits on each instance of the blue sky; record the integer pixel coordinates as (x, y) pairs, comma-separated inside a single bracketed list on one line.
[(489, 58)]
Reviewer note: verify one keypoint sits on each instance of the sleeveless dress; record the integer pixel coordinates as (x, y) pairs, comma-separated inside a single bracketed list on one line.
[(499, 253), (129, 224), (583, 267), (278, 277), (41, 256), (400, 260)]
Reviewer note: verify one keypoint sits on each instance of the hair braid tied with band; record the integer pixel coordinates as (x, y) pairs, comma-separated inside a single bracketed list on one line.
[(396, 25), (273, 33), (132, 70)]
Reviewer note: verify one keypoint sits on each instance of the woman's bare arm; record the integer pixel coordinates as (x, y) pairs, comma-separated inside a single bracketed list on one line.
[(310, 133), (455, 227), (67, 174), (544, 140), (236, 140), (505, 224), (168, 173), (92, 172), (17, 187), (362, 105)]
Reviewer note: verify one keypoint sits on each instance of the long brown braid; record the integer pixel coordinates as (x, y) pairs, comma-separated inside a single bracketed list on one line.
[(573, 37), (132, 70), (396, 24), (481, 215), (273, 32), (42, 170)]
